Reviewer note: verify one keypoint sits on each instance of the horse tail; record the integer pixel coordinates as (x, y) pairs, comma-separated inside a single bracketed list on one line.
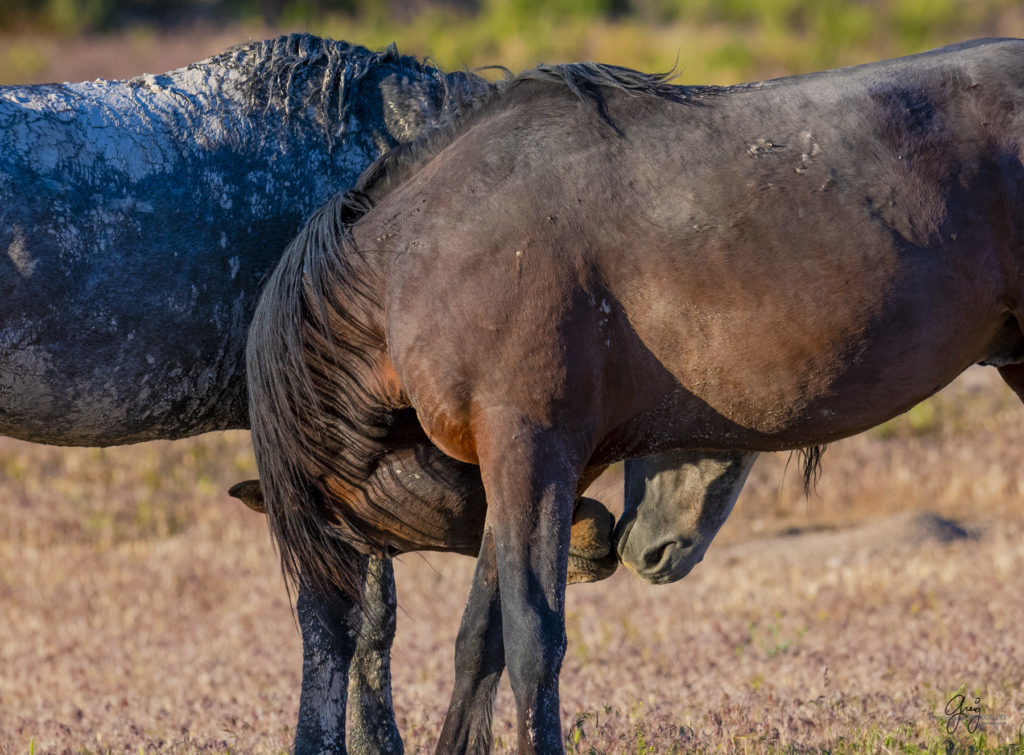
[(810, 458), (311, 360)]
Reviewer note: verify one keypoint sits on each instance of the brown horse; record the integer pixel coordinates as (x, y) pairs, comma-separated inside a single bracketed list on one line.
[(599, 265)]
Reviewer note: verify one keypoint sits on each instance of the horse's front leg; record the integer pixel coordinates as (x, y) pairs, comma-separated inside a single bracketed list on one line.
[(530, 478), (330, 624), (371, 717), (480, 649), (479, 662)]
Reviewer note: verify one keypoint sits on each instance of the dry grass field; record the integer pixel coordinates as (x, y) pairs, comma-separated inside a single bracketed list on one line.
[(142, 610)]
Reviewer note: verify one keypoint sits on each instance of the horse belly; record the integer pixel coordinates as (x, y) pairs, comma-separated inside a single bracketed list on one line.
[(771, 388), (770, 349)]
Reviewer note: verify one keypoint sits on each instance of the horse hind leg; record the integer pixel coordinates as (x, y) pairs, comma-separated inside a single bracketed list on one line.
[(346, 667), (329, 624), (371, 717)]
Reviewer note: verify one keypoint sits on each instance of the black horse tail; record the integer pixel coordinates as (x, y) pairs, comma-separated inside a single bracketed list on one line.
[(810, 458), (311, 358)]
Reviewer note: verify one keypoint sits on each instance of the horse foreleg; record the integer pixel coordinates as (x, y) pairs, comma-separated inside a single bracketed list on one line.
[(329, 624), (479, 662), (371, 717), (530, 480)]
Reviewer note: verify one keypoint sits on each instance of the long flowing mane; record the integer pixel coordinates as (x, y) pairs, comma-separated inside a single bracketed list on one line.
[(314, 344)]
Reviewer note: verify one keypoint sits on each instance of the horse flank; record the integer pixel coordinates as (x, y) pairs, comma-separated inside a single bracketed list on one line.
[(313, 342)]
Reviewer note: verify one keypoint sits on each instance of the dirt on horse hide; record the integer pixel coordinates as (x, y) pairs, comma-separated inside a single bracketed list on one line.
[(141, 216)]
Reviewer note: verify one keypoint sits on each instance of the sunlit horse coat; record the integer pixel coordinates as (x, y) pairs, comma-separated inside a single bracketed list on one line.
[(629, 268)]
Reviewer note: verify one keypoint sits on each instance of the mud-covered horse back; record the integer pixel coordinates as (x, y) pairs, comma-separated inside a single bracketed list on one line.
[(140, 217)]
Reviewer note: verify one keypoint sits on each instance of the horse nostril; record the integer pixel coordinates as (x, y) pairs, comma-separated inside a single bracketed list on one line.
[(656, 556)]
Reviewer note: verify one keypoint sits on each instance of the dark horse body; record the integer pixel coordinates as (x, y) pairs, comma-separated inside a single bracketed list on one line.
[(140, 218), (617, 268), (138, 221)]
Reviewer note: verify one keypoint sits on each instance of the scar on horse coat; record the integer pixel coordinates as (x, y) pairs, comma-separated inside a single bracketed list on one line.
[(751, 268)]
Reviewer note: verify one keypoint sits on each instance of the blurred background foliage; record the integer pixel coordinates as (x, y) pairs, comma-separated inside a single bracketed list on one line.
[(712, 41)]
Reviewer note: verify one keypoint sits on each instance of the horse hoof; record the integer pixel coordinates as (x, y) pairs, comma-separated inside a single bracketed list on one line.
[(591, 556)]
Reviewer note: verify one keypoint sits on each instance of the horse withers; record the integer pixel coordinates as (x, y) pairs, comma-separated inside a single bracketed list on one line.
[(600, 266)]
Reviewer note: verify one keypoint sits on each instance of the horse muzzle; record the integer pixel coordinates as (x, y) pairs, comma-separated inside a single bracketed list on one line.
[(658, 561)]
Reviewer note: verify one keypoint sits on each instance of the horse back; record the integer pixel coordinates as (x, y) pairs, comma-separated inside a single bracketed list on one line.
[(736, 261)]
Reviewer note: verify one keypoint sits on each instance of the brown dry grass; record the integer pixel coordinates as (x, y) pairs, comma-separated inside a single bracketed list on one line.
[(141, 608)]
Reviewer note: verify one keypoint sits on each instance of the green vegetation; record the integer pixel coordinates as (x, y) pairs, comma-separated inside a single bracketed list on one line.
[(713, 41)]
